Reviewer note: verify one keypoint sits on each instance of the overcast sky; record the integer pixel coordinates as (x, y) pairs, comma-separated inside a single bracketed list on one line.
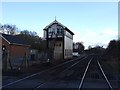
[(94, 23)]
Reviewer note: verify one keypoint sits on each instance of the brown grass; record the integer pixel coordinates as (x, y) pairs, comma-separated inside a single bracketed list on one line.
[(113, 65)]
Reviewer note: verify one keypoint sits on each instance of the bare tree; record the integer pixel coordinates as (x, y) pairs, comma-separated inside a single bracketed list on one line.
[(9, 29), (1, 28), (78, 46), (89, 47)]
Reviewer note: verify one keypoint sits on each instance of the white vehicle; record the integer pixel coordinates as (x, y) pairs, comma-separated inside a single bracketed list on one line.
[(75, 54)]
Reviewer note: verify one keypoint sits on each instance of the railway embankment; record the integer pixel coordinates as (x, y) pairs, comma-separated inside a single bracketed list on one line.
[(111, 65)]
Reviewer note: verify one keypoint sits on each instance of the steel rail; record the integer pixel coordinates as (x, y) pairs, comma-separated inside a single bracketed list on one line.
[(81, 83), (110, 86)]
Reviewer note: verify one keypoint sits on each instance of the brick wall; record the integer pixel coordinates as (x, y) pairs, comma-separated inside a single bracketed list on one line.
[(16, 50)]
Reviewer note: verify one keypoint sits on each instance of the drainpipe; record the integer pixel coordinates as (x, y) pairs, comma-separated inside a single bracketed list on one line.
[(8, 59), (26, 61)]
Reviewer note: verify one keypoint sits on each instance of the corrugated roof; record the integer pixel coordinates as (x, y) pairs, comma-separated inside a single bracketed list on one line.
[(14, 40)]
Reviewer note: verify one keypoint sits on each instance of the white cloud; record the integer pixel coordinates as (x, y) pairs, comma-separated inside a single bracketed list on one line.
[(109, 31), (93, 38), (90, 33)]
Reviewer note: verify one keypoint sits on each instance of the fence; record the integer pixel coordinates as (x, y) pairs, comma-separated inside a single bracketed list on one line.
[(14, 62)]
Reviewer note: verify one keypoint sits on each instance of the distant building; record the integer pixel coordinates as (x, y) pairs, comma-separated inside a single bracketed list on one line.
[(75, 46), (1, 29), (16, 48), (59, 41), (78, 47), (33, 54)]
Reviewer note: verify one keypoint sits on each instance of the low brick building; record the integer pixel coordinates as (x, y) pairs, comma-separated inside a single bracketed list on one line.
[(14, 51)]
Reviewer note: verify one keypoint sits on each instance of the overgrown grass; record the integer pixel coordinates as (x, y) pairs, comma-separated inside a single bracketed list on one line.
[(112, 64)]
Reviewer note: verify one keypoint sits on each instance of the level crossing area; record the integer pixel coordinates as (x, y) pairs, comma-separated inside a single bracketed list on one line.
[(81, 73)]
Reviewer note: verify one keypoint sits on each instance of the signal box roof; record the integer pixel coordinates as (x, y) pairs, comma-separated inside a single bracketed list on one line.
[(56, 22)]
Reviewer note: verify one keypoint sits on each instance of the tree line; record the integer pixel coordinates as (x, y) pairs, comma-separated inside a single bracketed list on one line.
[(113, 49), (36, 42), (31, 37)]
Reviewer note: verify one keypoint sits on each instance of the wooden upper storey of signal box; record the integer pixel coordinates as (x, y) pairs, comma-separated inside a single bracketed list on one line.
[(56, 28)]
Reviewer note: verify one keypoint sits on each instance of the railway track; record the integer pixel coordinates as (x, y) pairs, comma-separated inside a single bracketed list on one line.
[(94, 70), (71, 74), (66, 73)]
